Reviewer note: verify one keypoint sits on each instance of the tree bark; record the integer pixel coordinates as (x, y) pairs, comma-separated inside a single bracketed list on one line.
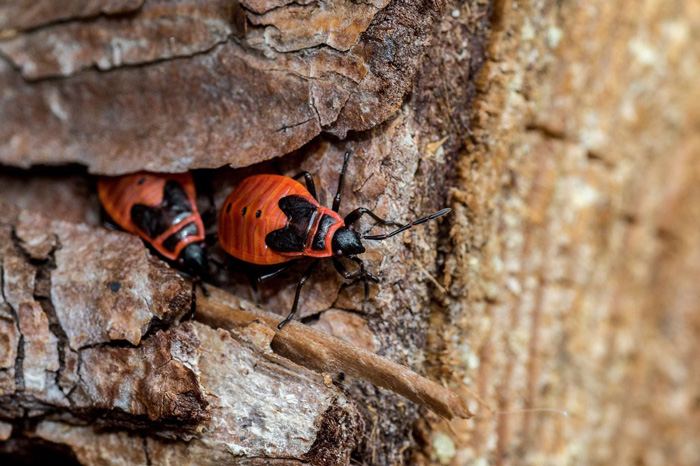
[(559, 299), (574, 272), (83, 351)]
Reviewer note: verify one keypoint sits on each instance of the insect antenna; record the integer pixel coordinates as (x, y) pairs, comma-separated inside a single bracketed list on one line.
[(437, 214)]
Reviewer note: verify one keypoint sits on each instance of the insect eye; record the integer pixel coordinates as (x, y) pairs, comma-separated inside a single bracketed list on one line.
[(339, 252)]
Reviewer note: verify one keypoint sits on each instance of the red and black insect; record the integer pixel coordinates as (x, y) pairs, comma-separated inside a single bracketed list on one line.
[(161, 208), (273, 220)]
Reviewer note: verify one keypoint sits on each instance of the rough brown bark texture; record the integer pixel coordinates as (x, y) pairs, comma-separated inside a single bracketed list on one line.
[(185, 92), (177, 85), (566, 278), (81, 347)]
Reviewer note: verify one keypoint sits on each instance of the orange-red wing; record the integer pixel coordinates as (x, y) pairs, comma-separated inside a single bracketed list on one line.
[(251, 211), (120, 193)]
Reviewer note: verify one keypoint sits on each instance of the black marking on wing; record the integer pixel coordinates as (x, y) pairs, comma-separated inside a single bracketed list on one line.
[(319, 242), (155, 220), (292, 238), (148, 219), (175, 200)]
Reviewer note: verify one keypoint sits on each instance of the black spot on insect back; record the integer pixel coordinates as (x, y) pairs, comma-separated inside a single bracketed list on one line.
[(243, 211), (142, 181), (258, 214), (228, 208), (114, 286)]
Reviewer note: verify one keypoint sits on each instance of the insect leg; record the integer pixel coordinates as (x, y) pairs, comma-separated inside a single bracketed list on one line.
[(302, 280), (193, 302), (197, 281), (355, 215), (366, 276), (342, 270), (275, 272), (365, 273), (309, 180), (341, 179)]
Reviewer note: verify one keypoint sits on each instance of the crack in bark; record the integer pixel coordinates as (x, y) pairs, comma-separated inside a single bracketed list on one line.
[(78, 367), (280, 7), (230, 36), (78, 18), (295, 125), (19, 359), (323, 43), (312, 102), (95, 68), (43, 278)]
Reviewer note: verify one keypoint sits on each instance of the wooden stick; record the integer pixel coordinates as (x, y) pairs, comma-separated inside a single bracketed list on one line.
[(324, 353)]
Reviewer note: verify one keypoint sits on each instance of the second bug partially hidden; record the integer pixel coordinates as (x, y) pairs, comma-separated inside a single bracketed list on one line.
[(275, 220), (161, 208)]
